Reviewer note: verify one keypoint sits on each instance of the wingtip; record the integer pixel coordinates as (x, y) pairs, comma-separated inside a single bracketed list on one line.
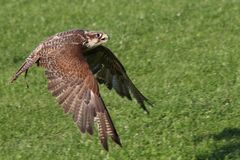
[(105, 145), (90, 130), (149, 102), (143, 105), (116, 139), (147, 112), (119, 143)]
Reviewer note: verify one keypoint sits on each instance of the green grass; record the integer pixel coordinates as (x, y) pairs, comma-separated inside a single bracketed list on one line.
[(184, 55)]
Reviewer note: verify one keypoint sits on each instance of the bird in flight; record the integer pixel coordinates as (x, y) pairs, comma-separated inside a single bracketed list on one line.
[(75, 62)]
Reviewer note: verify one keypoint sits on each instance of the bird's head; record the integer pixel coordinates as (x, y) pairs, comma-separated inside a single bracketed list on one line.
[(94, 39)]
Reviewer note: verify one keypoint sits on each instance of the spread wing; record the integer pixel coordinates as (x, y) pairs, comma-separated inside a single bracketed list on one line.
[(109, 71), (73, 84)]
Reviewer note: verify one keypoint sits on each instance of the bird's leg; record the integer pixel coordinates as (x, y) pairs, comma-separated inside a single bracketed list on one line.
[(25, 76)]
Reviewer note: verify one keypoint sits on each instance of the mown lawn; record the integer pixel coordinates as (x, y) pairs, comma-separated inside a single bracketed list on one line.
[(183, 55)]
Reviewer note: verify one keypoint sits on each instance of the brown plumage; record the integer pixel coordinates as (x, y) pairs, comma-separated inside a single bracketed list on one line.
[(74, 62)]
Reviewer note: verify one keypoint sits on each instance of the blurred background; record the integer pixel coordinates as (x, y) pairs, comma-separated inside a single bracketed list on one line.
[(183, 55)]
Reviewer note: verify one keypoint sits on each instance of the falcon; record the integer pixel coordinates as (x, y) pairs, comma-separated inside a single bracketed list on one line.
[(75, 62)]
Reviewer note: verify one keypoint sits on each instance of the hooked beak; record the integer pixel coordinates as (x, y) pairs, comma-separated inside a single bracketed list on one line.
[(104, 37)]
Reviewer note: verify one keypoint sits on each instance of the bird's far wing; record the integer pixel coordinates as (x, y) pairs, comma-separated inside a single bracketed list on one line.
[(109, 71), (73, 84)]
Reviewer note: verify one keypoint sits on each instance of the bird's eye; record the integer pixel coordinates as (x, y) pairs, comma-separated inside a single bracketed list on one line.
[(98, 35)]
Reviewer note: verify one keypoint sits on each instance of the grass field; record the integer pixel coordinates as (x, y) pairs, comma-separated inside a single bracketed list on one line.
[(183, 55)]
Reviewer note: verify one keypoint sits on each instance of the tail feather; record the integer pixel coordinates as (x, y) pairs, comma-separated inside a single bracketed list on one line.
[(25, 66)]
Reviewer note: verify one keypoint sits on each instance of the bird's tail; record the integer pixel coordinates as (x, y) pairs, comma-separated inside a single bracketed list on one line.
[(33, 58)]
